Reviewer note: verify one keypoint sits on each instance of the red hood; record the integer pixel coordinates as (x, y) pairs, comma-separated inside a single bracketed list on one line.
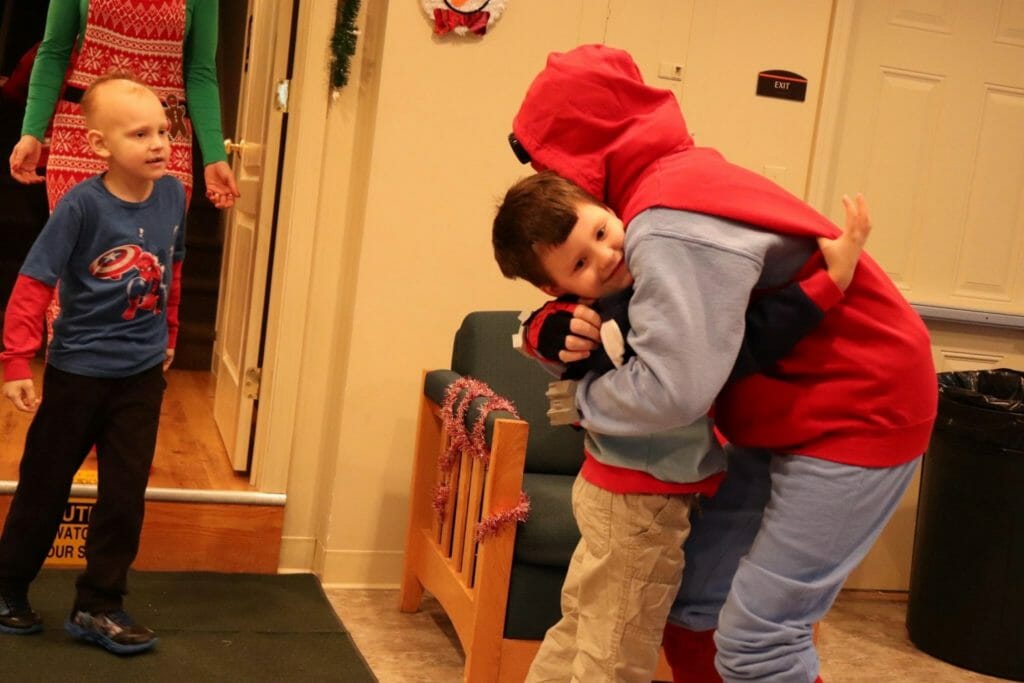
[(589, 117)]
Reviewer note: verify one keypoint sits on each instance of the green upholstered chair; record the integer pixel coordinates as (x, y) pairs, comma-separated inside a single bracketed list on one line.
[(501, 593)]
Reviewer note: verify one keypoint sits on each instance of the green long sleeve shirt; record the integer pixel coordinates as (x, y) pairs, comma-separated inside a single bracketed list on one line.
[(65, 27)]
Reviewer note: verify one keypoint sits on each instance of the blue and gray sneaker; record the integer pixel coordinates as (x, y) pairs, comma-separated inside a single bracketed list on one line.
[(115, 631), (16, 615)]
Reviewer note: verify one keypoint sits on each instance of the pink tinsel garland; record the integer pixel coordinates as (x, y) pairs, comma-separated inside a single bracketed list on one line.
[(493, 524), (478, 437), (458, 397), (440, 501)]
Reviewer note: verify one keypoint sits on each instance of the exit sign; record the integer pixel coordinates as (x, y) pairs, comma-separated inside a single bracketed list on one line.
[(784, 85)]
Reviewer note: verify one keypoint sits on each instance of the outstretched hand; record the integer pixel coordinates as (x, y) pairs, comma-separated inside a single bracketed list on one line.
[(25, 159), (842, 253), (221, 188)]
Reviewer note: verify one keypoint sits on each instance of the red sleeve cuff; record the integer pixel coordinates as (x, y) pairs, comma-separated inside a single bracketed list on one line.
[(16, 368), (821, 289)]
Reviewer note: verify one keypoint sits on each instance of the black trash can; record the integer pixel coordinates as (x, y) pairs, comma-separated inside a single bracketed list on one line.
[(966, 602)]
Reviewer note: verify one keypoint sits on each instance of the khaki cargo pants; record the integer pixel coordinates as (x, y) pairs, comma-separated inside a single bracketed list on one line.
[(622, 579)]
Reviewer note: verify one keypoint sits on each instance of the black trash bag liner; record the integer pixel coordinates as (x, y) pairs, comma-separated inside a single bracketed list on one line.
[(1001, 389), (986, 406)]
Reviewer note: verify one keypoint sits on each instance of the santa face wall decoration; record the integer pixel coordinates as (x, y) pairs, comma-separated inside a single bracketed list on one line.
[(463, 17)]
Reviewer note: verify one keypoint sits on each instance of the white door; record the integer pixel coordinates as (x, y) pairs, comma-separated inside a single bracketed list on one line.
[(932, 131), (930, 127), (249, 226)]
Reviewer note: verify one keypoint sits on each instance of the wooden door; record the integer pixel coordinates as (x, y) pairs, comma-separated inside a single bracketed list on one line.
[(244, 271)]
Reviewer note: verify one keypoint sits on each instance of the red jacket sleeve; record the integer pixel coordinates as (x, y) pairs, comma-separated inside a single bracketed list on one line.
[(821, 289), (23, 326), (173, 301)]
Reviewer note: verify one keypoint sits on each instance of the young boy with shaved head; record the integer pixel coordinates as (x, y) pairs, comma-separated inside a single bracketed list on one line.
[(116, 243)]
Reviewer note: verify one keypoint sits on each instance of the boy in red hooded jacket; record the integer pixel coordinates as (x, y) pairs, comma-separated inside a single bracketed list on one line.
[(822, 449)]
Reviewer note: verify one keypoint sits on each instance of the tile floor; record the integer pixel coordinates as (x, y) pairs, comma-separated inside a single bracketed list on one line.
[(862, 640)]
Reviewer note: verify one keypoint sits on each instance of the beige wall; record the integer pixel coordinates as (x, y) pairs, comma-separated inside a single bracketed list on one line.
[(387, 199), (420, 258)]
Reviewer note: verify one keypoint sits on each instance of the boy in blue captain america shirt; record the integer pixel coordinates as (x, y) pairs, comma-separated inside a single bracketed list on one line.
[(115, 243)]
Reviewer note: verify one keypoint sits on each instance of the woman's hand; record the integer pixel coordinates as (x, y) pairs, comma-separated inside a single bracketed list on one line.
[(221, 188), (25, 159)]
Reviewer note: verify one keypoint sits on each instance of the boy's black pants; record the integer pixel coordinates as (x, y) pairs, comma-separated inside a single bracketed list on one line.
[(118, 415)]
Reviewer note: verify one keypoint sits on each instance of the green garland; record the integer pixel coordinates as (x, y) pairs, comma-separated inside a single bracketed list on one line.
[(343, 42)]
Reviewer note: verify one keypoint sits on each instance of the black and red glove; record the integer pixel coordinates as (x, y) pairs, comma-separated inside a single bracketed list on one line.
[(546, 329), (544, 332)]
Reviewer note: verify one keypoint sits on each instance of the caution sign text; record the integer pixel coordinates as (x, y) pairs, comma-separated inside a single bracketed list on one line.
[(68, 548)]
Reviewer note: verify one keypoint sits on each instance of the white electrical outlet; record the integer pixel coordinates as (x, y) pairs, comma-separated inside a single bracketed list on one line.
[(670, 71)]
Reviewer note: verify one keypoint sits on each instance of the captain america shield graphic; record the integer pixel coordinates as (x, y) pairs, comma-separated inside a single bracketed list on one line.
[(114, 263)]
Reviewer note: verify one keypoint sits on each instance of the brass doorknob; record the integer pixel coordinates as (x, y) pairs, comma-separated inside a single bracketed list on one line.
[(233, 147)]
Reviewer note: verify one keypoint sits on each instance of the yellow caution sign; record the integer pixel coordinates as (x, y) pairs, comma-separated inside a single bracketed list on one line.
[(69, 545)]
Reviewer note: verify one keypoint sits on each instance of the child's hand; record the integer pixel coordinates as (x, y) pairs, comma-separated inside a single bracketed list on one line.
[(842, 253), (168, 359), (22, 393)]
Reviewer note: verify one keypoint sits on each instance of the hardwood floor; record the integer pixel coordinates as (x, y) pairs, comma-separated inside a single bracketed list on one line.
[(189, 450)]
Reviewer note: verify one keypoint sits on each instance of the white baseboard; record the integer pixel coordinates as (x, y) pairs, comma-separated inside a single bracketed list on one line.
[(360, 568), (298, 554)]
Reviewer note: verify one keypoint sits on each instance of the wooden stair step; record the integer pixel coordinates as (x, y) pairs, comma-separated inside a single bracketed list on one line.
[(183, 536)]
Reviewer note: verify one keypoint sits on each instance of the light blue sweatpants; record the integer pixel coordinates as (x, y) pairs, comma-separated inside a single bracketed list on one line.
[(772, 549)]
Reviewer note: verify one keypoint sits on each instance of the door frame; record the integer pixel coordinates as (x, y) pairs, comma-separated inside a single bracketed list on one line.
[(837, 55)]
